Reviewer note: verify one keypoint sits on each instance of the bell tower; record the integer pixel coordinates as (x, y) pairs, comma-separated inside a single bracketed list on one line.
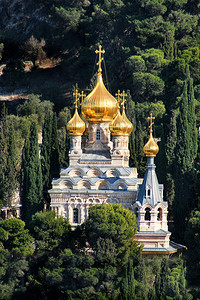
[(150, 208)]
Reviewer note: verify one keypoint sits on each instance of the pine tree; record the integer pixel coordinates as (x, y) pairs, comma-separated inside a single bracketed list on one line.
[(31, 181)]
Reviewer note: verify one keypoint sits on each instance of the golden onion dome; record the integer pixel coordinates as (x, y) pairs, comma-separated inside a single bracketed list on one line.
[(118, 126), (129, 126), (151, 148), (86, 124), (99, 105), (76, 126)]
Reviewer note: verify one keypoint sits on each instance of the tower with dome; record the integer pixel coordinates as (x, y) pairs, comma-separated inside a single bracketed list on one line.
[(99, 169)]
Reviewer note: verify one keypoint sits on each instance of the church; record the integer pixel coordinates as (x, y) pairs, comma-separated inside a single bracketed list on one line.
[(99, 169)]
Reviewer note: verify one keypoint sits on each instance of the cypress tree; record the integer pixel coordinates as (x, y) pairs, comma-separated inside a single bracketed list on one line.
[(3, 155), (130, 112), (193, 133), (124, 287), (182, 146), (139, 142), (163, 279), (131, 281), (46, 154), (171, 140), (180, 205), (31, 176), (49, 153), (11, 170), (185, 154), (8, 161), (55, 155)]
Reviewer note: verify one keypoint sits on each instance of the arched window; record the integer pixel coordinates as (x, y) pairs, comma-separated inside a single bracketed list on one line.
[(148, 192), (147, 214), (136, 212), (98, 136), (159, 215), (75, 215)]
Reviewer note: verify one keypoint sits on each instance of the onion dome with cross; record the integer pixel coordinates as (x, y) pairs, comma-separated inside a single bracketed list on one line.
[(150, 149), (129, 126), (76, 126), (99, 105), (118, 126)]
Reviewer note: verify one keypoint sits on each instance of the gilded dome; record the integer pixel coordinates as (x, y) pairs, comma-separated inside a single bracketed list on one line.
[(151, 148), (76, 126), (129, 126), (86, 124), (99, 105), (118, 126)]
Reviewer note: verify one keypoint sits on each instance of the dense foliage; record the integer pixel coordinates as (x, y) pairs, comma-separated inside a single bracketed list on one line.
[(45, 263), (153, 52)]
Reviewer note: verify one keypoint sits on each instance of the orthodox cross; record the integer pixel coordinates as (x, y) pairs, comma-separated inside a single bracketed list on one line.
[(82, 95), (77, 95), (100, 58), (123, 95), (118, 96), (151, 122)]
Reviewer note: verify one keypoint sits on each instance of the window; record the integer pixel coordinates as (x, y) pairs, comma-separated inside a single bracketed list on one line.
[(147, 214), (98, 134), (75, 215), (159, 215), (149, 192)]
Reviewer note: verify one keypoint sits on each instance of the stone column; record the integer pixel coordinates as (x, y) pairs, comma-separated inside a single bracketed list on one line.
[(154, 224), (164, 219), (141, 221)]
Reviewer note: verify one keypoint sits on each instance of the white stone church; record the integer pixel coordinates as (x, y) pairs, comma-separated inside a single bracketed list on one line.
[(99, 169)]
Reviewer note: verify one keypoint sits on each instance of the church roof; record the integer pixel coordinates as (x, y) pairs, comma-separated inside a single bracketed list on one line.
[(122, 171), (93, 179), (173, 248), (150, 191)]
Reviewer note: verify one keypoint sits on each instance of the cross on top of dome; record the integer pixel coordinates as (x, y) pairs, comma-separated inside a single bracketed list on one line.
[(76, 95), (100, 58), (151, 122), (123, 95), (118, 96), (82, 95)]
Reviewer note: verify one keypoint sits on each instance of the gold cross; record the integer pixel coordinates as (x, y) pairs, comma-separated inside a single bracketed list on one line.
[(82, 95), (151, 122), (77, 95), (123, 95), (100, 58), (118, 96)]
